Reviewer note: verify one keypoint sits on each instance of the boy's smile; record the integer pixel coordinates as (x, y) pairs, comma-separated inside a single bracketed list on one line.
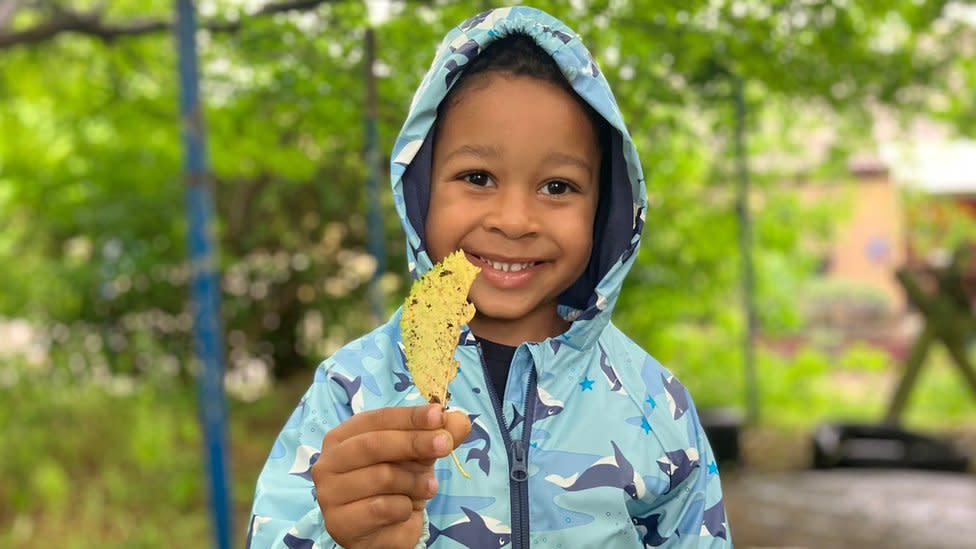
[(515, 183), (505, 272)]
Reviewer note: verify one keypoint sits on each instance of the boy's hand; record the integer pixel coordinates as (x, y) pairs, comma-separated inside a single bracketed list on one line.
[(376, 472)]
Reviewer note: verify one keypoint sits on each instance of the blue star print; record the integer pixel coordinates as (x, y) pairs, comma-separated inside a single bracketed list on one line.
[(712, 468), (650, 401), (645, 425), (587, 383)]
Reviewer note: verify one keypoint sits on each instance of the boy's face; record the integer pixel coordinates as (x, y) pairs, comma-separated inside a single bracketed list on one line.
[(515, 183)]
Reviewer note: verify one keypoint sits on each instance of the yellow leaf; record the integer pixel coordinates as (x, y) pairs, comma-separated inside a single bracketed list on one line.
[(432, 317)]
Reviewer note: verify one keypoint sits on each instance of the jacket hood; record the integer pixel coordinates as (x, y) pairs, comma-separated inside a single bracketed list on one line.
[(590, 301)]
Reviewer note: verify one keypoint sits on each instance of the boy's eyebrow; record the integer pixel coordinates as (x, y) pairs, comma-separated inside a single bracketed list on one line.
[(491, 151), (557, 157), (484, 151)]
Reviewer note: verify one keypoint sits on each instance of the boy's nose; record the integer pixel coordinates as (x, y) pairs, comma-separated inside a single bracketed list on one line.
[(511, 214)]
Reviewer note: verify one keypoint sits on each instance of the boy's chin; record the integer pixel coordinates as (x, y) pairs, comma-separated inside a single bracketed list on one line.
[(521, 318), (501, 314)]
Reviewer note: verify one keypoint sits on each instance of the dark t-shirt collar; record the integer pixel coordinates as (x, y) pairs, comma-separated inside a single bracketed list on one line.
[(498, 358)]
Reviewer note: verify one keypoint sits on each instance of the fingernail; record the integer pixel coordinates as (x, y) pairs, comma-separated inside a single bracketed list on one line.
[(435, 416), (431, 485), (440, 444)]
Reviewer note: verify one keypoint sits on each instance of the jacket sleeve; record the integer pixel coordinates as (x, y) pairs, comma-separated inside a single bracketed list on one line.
[(285, 513), (692, 513)]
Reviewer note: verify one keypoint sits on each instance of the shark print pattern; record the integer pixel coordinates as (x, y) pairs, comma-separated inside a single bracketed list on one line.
[(715, 522), (610, 374), (677, 396), (474, 531), (555, 344), (353, 390), (612, 471), (545, 406), (404, 382), (294, 542), (305, 458), (647, 530), (474, 21), (638, 228), (467, 51), (678, 466), (480, 455)]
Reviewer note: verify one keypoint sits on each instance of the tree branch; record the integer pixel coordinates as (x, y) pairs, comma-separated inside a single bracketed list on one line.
[(7, 11), (91, 24), (240, 208)]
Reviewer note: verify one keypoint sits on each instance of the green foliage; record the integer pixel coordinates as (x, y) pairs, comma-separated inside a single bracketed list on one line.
[(49, 484), (77, 429), (92, 223), (787, 384), (117, 462), (855, 384), (861, 356), (78, 454)]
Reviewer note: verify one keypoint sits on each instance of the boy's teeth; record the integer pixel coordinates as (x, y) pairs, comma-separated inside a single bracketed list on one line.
[(508, 267)]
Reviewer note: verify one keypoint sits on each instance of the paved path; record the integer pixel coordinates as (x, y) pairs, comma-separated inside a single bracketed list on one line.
[(852, 508)]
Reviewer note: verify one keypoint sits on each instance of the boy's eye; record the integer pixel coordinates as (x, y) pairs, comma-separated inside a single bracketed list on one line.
[(556, 187), (481, 179)]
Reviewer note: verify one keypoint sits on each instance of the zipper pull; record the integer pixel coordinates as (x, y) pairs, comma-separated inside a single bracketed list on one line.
[(519, 473)]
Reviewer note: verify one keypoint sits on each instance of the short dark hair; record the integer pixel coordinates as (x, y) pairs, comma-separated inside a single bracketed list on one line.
[(518, 54)]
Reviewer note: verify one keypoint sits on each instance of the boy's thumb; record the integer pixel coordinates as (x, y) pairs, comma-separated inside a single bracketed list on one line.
[(458, 424)]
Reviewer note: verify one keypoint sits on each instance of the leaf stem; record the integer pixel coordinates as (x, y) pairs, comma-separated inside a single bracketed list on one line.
[(457, 462)]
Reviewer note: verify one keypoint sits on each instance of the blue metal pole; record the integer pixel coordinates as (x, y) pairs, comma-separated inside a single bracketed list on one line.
[(205, 281)]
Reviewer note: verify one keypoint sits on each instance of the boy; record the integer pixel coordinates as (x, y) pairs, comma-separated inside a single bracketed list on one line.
[(514, 152)]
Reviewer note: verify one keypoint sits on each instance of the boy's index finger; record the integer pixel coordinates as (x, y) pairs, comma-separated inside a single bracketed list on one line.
[(393, 418)]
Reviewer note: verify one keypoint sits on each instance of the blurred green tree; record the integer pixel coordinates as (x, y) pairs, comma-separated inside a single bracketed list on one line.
[(91, 216)]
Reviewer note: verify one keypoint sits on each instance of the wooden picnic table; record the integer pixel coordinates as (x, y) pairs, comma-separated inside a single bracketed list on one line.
[(946, 298)]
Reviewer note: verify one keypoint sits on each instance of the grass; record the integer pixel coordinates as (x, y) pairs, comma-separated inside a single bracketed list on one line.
[(940, 399), (857, 387), (119, 466), (809, 385), (84, 466)]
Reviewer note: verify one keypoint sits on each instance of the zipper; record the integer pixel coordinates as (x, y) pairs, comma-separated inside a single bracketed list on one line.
[(517, 455), (519, 472)]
